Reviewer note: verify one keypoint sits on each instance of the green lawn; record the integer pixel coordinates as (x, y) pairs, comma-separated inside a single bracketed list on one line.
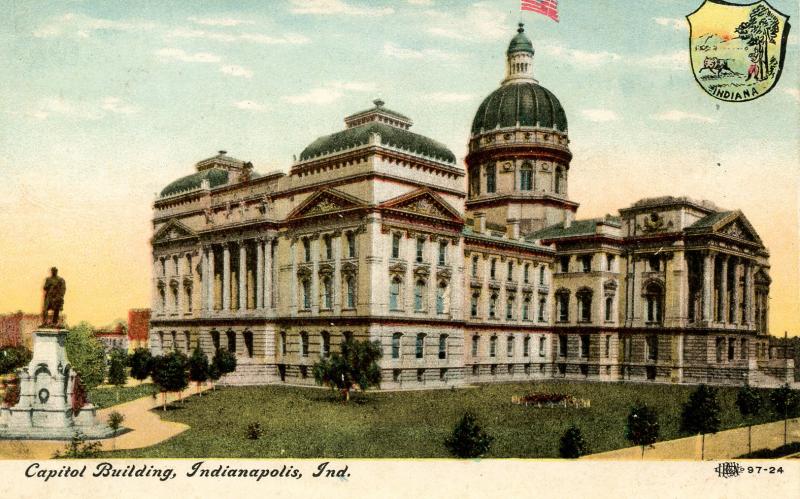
[(304, 422), (106, 395)]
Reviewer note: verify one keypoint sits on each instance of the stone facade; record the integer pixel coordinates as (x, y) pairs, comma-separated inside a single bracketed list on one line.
[(462, 275)]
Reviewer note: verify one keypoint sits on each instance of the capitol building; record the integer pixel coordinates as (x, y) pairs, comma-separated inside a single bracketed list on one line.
[(463, 273)]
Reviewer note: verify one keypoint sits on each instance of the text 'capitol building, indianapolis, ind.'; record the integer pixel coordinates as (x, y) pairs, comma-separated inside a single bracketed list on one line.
[(463, 275)]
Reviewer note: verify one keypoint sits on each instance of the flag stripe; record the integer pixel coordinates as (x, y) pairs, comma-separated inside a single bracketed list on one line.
[(548, 8)]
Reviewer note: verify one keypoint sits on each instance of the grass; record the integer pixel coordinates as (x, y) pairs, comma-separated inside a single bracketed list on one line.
[(106, 395), (304, 423)]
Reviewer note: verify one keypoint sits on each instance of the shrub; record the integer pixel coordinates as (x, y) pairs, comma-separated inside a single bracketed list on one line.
[(198, 367), (254, 431), (12, 358), (78, 448), (468, 439), (79, 395), (11, 395), (141, 363), (117, 372), (573, 445), (86, 355)]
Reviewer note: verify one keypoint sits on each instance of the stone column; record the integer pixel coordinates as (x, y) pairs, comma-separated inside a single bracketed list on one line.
[(336, 241), (736, 314), (260, 303), (242, 275), (723, 290), (179, 271), (210, 278), (748, 294), (315, 301), (156, 295), (269, 298), (226, 276), (708, 283)]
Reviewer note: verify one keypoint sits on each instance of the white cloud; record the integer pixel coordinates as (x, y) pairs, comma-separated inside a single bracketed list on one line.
[(249, 105), (792, 39), (480, 21), (353, 86), (333, 7), (117, 105), (677, 115), (221, 21), (321, 95), (84, 26), (677, 24), (792, 92), (448, 97), (420, 2), (599, 115), (677, 61), (289, 38), (183, 56), (581, 57), (392, 50), (234, 70), (59, 107)]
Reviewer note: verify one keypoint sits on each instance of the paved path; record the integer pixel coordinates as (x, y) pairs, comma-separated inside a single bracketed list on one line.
[(723, 445), (147, 429)]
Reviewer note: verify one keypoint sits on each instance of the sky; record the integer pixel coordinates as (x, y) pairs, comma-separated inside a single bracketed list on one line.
[(104, 103)]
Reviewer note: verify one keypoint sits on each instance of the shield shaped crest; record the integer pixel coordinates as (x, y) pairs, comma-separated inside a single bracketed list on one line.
[(737, 51)]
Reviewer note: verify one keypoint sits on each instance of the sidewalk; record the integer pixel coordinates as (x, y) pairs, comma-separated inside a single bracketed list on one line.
[(725, 444), (147, 428)]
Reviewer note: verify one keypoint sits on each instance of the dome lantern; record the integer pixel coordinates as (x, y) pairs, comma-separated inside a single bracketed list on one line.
[(519, 58)]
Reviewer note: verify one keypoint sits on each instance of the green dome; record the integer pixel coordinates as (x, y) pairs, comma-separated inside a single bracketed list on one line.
[(390, 135), (520, 42), (526, 103), (215, 176)]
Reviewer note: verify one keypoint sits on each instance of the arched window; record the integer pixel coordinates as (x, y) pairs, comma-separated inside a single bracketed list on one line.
[(560, 184), (325, 349), (350, 291), (306, 293), (654, 300), (526, 308), (442, 346), (304, 344), (215, 339), (231, 341), (491, 179), (511, 302), (396, 338), (584, 297), (542, 308), (510, 346), (327, 293), (419, 295), (248, 343), (609, 308), (394, 293), (441, 292), (526, 177), (493, 346)]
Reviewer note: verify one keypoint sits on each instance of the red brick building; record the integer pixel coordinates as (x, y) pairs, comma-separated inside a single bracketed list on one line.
[(138, 327), (17, 329)]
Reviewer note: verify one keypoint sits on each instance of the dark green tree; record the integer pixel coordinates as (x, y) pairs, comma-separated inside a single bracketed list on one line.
[(13, 358), (198, 367), (224, 362), (141, 363), (356, 365), (700, 414), (572, 444), (642, 427), (117, 369), (170, 374), (760, 31), (784, 402), (115, 420), (750, 403), (468, 439), (86, 355)]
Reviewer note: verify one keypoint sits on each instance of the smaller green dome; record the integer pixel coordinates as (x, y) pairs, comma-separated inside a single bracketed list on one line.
[(215, 177), (520, 42)]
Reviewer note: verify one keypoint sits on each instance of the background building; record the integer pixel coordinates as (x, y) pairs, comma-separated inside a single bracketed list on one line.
[(481, 274), (17, 329), (138, 328)]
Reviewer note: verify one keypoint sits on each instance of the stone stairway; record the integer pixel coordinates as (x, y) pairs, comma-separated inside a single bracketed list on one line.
[(763, 380), (250, 374)]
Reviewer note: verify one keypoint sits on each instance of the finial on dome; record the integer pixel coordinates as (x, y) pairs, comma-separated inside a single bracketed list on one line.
[(521, 28), (223, 153), (378, 102)]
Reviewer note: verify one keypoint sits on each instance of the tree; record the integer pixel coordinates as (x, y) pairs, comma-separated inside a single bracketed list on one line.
[(357, 365), (86, 355), (749, 402), (784, 403), (224, 362), (141, 363), (13, 358), (169, 373), (642, 427), (759, 31), (117, 369), (468, 439), (700, 414), (115, 420), (572, 444), (198, 367)]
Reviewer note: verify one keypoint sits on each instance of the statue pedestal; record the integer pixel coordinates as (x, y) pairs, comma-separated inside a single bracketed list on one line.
[(44, 410)]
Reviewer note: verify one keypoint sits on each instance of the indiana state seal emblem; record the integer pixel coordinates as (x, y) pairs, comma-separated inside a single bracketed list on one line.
[(737, 51)]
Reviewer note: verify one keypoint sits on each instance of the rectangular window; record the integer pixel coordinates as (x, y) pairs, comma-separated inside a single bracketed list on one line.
[(326, 345), (306, 250), (475, 266), (493, 346), (493, 269), (396, 345), (442, 253), (542, 308), (652, 347), (542, 345), (420, 346), (610, 263), (562, 345), (526, 306), (351, 245), (328, 247), (475, 346), (526, 346), (586, 263), (304, 344), (510, 271), (743, 353), (420, 250), (563, 307), (395, 245), (608, 346), (493, 306), (526, 272), (351, 292), (564, 263), (510, 346), (474, 305), (283, 343), (731, 348), (585, 346), (491, 179), (442, 347), (510, 302)]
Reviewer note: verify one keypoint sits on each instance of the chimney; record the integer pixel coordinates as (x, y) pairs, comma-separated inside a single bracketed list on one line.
[(479, 226), (512, 228)]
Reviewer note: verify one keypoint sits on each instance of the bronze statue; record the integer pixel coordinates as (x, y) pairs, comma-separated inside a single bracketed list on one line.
[(54, 289)]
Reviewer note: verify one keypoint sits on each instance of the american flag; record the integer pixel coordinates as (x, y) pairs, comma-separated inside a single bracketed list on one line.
[(546, 7)]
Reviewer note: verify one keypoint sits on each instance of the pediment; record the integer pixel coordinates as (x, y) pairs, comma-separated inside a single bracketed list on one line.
[(172, 230), (737, 226), (424, 202), (324, 202)]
